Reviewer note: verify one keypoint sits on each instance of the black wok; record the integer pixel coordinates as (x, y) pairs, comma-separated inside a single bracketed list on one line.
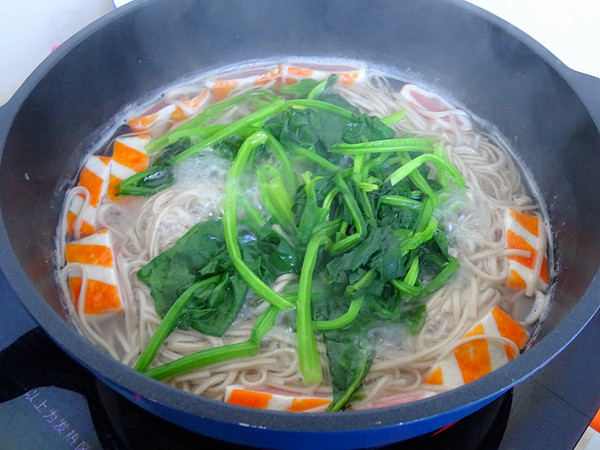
[(547, 112)]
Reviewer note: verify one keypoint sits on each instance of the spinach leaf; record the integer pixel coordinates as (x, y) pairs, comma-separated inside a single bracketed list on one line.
[(350, 357), (229, 147), (159, 176), (308, 212), (367, 252), (171, 151), (366, 128), (311, 128), (201, 253)]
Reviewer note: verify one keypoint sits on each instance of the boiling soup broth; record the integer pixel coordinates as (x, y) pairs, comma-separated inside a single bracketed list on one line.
[(305, 237)]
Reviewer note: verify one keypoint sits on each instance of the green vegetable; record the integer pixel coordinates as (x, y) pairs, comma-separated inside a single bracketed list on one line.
[(442, 165), (167, 325), (344, 204), (132, 185), (200, 255), (350, 358), (219, 354), (208, 114), (231, 231), (342, 320)]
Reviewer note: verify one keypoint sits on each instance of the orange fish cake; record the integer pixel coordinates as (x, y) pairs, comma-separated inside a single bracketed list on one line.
[(94, 178), (240, 395), (476, 358), (525, 235), (98, 286)]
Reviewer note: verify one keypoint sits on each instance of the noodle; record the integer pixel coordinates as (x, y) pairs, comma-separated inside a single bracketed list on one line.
[(147, 227)]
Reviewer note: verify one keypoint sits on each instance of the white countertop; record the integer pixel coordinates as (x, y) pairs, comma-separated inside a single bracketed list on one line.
[(30, 29), (570, 29)]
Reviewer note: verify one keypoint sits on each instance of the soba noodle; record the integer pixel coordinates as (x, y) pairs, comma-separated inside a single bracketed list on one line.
[(145, 227)]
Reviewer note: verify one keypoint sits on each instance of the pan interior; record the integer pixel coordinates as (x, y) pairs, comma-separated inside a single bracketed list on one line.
[(68, 104)]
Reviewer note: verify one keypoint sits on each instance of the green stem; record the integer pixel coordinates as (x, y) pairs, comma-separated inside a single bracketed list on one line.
[(426, 213), (209, 113), (368, 187), (358, 171), (275, 197), (318, 159), (415, 176), (440, 279), (316, 90), (318, 104), (342, 320), (393, 118), (442, 176), (328, 200), (404, 171), (203, 359), (362, 283), (367, 208), (345, 243), (232, 129), (419, 237), (412, 273), (287, 168), (263, 324), (308, 356), (386, 146), (357, 217), (253, 213), (406, 289), (230, 223), (168, 323), (399, 200), (201, 132), (355, 212), (218, 354), (437, 282)]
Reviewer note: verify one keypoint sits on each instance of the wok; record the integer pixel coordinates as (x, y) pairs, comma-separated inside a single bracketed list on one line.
[(547, 112)]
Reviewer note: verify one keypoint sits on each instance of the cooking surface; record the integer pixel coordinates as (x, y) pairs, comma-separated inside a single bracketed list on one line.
[(552, 408)]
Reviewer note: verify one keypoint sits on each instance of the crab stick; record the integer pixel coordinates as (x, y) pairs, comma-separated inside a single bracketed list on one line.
[(129, 158), (476, 358), (172, 112), (94, 178), (190, 107), (98, 287), (245, 79), (274, 74), (222, 88), (528, 268), (150, 119), (292, 73), (240, 395), (281, 74), (435, 107)]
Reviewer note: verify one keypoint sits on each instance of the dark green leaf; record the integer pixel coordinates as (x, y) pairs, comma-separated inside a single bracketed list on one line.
[(172, 150), (350, 357), (366, 128)]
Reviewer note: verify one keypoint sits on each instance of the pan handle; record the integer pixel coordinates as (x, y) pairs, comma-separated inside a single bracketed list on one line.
[(588, 89)]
